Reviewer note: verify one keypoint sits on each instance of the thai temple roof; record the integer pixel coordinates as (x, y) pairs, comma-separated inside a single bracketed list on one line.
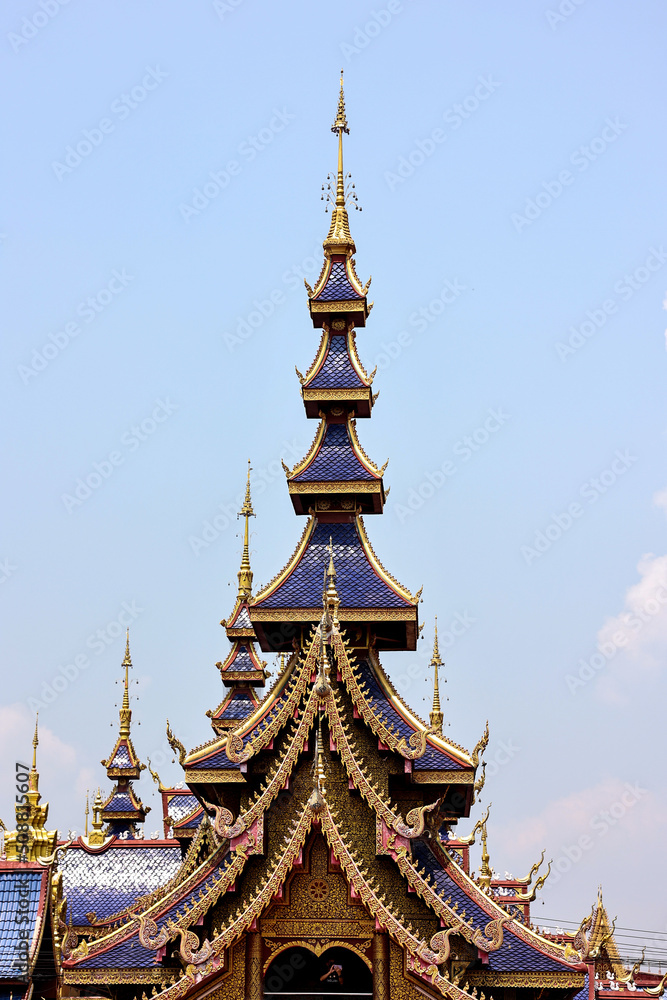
[(320, 820)]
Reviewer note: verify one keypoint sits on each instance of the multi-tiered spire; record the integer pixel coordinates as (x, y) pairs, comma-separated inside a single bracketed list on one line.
[(122, 810), (336, 482), (242, 670)]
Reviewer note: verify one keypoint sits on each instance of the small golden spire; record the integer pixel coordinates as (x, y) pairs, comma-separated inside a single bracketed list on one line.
[(485, 872), (316, 801), (436, 716), (331, 599), (339, 238), (125, 713), (97, 838), (245, 573), (87, 813), (33, 777)]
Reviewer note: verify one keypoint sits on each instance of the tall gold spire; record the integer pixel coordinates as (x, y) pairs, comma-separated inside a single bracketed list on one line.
[(125, 713), (339, 238), (485, 871), (33, 777), (245, 573), (436, 716)]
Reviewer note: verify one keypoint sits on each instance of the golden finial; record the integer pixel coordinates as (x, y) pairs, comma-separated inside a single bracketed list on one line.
[(33, 777), (339, 238), (125, 713), (436, 716), (331, 599), (485, 872), (316, 801), (245, 573), (340, 123), (87, 813), (96, 838)]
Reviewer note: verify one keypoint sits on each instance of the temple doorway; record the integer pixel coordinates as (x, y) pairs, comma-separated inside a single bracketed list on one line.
[(299, 973)]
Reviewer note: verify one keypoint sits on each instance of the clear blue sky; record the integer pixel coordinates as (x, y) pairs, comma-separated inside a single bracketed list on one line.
[(508, 150)]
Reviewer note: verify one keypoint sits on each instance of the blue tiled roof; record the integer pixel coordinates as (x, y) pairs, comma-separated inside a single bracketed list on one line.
[(358, 584), (121, 802), (338, 285), (220, 759), (243, 619), (515, 955), (238, 707), (130, 953), (19, 904), (337, 371), (108, 882), (193, 822), (181, 805), (242, 660), (121, 758), (335, 459), (432, 758)]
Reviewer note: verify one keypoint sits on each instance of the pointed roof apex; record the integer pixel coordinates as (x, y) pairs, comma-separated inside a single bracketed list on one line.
[(245, 572), (339, 238), (436, 717), (35, 743), (341, 120), (125, 713)]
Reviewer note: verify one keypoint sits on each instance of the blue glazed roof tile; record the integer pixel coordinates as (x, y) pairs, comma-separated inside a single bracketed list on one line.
[(121, 802), (338, 287), (358, 584), (129, 953), (108, 882), (19, 908), (181, 805), (239, 706), (337, 371), (121, 758), (242, 661), (220, 759), (432, 758), (514, 955), (335, 459)]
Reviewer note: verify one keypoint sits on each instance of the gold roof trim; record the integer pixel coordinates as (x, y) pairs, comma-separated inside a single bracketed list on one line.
[(337, 486), (344, 614), (319, 358), (439, 741), (368, 464), (339, 306), (318, 440), (292, 681), (379, 568)]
